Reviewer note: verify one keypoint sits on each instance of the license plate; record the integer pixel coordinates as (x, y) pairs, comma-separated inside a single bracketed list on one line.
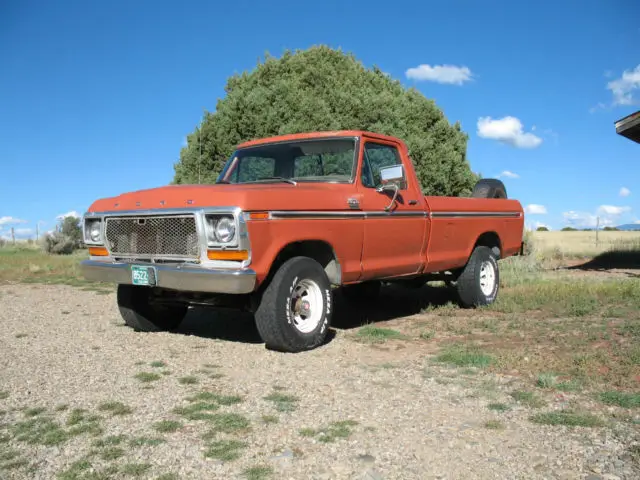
[(143, 275)]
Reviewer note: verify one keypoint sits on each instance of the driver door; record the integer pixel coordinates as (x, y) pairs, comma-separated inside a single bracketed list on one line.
[(394, 239)]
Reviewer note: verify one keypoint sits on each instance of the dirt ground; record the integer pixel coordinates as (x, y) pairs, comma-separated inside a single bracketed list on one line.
[(82, 396)]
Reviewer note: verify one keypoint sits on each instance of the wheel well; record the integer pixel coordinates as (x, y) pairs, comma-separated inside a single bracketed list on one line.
[(492, 241), (319, 250)]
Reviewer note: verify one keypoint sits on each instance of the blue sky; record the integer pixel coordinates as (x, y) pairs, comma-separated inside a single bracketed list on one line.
[(97, 97)]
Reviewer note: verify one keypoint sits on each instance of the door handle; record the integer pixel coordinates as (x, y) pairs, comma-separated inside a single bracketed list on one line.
[(413, 202)]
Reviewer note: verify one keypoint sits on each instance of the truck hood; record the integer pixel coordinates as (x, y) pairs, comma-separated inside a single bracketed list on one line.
[(269, 196)]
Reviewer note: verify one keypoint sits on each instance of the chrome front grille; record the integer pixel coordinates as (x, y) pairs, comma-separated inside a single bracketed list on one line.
[(169, 236)]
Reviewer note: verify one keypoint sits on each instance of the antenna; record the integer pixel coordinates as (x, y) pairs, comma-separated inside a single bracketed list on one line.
[(200, 142)]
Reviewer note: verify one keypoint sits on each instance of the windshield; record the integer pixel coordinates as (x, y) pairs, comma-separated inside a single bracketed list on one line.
[(319, 160)]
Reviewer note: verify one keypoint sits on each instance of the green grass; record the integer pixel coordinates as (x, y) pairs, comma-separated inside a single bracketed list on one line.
[(546, 380), (464, 356), (115, 408), (3, 395), (567, 418), (146, 441), (32, 265), (135, 469), (529, 399), (569, 386), (109, 441), (158, 364), (227, 423), (215, 397), (111, 453), (621, 399), (40, 431), (197, 410), (189, 380), (282, 401), (269, 419), (332, 432), (371, 334), (8, 455), (493, 425), (168, 476), (258, 472), (146, 377), (34, 412), (167, 426), (225, 450), (499, 407), (21, 335), (14, 464)]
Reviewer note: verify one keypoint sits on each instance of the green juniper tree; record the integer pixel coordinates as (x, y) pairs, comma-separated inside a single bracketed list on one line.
[(323, 89)]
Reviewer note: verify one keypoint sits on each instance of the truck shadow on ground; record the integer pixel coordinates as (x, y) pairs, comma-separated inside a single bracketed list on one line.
[(613, 260), (392, 303)]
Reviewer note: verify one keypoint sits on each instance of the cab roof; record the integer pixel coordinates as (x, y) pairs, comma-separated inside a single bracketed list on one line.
[(313, 135)]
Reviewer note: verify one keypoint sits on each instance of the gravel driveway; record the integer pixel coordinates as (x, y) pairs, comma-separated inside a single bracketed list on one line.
[(81, 395)]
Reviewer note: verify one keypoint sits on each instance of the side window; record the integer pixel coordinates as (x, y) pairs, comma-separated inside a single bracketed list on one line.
[(377, 156)]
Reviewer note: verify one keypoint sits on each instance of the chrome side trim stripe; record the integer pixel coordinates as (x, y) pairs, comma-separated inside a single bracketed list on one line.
[(285, 214), (475, 214)]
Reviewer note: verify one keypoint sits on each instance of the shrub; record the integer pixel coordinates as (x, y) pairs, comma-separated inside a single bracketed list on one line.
[(324, 89), (58, 243)]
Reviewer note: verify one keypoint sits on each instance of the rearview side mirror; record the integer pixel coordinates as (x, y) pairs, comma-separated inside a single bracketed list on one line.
[(393, 175)]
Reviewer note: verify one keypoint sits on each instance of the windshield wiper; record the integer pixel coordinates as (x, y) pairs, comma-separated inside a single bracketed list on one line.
[(282, 179)]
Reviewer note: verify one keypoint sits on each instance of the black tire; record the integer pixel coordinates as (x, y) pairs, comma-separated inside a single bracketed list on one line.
[(143, 315), (489, 188), (362, 291), (468, 285), (275, 320)]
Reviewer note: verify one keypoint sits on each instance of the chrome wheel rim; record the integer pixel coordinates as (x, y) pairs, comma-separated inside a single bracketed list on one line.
[(487, 278), (306, 305)]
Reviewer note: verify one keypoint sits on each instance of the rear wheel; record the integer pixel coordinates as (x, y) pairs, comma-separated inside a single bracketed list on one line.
[(295, 310), (142, 313), (479, 282)]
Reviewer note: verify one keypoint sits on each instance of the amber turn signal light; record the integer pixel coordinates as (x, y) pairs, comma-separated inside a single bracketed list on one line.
[(98, 252), (259, 215), (238, 255)]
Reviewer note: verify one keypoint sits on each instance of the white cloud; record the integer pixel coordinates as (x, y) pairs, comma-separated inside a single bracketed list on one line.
[(536, 225), (612, 210), (605, 216), (450, 74), (509, 174), (625, 192), (623, 88), (72, 213), (584, 220), (507, 130), (11, 221), (534, 209)]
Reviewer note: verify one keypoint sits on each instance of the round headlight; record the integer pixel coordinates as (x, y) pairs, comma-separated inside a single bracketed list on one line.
[(94, 231), (225, 230)]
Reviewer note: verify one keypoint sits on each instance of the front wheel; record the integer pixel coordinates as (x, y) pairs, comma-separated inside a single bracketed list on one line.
[(479, 282), (141, 313), (295, 310)]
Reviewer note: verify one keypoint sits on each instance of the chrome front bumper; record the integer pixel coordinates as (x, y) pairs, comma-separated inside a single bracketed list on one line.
[(186, 278)]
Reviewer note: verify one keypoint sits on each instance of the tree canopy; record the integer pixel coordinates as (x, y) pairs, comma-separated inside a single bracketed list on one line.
[(323, 89)]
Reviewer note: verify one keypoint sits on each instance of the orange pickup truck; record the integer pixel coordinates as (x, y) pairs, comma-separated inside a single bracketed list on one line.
[(289, 219)]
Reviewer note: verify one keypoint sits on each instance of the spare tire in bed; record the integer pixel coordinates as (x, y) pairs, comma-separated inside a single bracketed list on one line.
[(489, 188)]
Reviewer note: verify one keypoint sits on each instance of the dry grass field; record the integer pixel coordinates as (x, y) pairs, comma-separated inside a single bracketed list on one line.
[(545, 383), (583, 244)]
